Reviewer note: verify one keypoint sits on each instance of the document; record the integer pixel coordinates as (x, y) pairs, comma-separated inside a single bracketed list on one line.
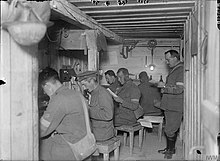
[(112, 93)]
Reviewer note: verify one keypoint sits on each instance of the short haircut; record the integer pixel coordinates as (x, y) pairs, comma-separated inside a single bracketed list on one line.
[(124, 71), (173, 53), (110, 72), (48, 75), (143, 75)]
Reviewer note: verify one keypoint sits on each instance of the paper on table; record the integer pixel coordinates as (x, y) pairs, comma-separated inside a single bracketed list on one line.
[(145, 123), (112, 93)]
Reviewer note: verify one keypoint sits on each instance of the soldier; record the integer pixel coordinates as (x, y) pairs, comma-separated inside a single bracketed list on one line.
[(128, 98), (172, 101), (100, 106), (149, 93), (64, 117), (112, 79)]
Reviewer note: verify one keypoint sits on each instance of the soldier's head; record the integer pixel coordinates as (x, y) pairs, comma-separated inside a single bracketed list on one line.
[(172, 58), (88, 79), (110, 76), (49, 80), (123, 75), (143, 76)]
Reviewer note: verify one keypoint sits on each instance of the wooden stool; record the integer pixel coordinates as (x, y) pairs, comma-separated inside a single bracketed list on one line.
[(131, 129), (108, 146), (156, 119)]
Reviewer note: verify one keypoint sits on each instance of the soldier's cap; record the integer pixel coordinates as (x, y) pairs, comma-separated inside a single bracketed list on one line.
[(87, 74)]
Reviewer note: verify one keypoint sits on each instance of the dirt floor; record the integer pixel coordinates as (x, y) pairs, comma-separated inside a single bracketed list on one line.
[(149, 148)]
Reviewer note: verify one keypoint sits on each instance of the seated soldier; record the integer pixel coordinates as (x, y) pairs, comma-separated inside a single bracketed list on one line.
[(128, 98), (100, 106), (64, 117), (149, 93)]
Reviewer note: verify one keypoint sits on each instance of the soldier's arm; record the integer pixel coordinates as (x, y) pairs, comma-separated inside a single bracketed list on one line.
[(52, 117), (177, 88), (133, 103)]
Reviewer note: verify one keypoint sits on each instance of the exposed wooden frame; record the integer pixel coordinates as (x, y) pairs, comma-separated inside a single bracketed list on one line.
[(68, 10)]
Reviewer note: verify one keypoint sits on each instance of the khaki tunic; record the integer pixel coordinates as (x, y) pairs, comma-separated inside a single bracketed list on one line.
[(172, 100), (64, 115), (101, 114), (125, 113)]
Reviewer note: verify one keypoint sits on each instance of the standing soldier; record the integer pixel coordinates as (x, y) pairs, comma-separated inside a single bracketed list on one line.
[(172, 101)]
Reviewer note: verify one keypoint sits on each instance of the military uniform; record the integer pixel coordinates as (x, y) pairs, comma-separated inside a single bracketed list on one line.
[(115, 86), (130, 94), (64, 116), (172, 100), (148, 95), (101, 114), (100, 109)]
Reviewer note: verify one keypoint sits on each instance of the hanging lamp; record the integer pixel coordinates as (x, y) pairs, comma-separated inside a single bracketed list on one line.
[(151, 45)]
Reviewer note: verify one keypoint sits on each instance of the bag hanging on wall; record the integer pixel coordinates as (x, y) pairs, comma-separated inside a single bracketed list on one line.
[(27, 20), (87, 145)]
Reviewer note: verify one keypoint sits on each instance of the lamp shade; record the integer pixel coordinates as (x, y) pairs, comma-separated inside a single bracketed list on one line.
[(26, 33), (151, 66)]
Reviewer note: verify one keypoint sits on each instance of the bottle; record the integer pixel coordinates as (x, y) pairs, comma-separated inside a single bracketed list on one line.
[(150, 77), (161, 79)]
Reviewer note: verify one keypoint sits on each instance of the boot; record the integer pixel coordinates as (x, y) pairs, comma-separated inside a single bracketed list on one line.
[(163, 151), (171, 150)]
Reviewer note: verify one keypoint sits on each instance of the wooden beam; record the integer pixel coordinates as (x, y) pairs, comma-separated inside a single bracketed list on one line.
[(138, 6), (139, 15), (143, 19), (72, 12), (144, 25), (135, 11)]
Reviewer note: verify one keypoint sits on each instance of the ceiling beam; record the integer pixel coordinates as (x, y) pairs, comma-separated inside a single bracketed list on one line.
[(143, 19), (142, 22), (97, 17), (149, 27), (138, 6), (146, 30), (135, 11), (67, 9), (144, 25)]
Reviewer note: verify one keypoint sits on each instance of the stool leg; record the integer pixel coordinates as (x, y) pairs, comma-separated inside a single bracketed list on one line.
[(160, 131), (106, 156), (140, 137), (125, 138), (116, 153), (131, 135), (116, 132)]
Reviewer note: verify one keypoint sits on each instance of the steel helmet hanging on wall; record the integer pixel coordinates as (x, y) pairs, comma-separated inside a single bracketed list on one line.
[(25, 26)]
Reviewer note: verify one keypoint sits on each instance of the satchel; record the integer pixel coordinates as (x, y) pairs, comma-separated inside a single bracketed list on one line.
[(87, 145)]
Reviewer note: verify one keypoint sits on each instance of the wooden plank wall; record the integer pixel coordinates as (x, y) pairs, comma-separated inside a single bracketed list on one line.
[(201, 112), (18, 101)]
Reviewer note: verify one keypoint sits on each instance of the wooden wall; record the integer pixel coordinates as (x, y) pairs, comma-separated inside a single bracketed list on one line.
[(18, 100), (201, 113)]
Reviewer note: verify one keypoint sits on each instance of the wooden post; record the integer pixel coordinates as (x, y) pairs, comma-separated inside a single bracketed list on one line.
[(18, 101)]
